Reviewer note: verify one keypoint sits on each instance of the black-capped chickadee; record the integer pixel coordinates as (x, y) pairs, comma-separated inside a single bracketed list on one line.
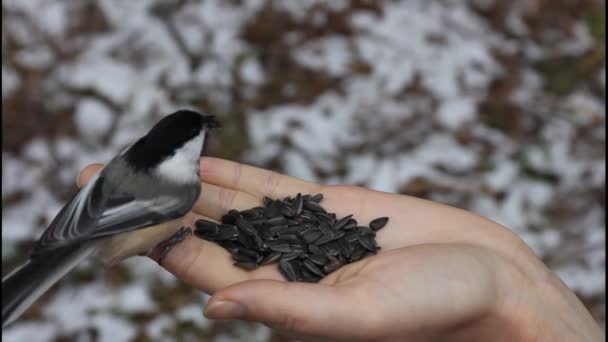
[(134, 203)]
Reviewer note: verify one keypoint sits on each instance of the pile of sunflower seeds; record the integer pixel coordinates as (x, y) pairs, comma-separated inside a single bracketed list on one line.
[(298, 233)]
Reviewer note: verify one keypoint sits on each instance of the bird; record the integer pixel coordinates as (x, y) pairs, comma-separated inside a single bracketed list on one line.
[(134, 203)]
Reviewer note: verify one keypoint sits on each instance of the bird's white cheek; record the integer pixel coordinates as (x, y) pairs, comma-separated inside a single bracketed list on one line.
[(183, 166)]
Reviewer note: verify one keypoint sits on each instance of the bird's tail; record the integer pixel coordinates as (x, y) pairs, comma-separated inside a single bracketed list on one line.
[(23, 286)]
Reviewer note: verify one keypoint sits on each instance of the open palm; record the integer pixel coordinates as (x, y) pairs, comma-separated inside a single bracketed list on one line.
[(440, 271)]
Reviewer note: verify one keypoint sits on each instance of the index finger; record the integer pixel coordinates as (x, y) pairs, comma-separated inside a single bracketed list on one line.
[(252, 180)]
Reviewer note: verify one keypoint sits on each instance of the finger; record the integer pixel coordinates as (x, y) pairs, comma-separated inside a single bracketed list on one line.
[(87, 173), (255, 181), (215, 201), (301, 308), (208, 267)]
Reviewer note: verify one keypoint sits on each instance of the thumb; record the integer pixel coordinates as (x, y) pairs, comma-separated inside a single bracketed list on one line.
[(87, 173), (301, 308)]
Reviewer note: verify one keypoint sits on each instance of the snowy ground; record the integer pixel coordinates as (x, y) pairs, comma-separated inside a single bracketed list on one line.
[(493, 106)]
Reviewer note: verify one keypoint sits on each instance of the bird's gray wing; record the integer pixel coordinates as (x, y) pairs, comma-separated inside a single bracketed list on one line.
[(100, 209)]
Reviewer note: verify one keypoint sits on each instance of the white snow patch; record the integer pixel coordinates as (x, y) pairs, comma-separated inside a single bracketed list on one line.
[(93, 119), (453, 113), (29, 331)]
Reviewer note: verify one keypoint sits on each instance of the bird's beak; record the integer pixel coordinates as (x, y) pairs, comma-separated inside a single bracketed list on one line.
[(212, 122)]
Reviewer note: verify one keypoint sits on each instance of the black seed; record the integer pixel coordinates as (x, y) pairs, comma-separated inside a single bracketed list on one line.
[(279, 220), (345, 248), (332, 248), (314, 207), (323, 240), (318, 259), (378, 223), (273, 210), (276, 229), (332, 266), (309, 277), (290, 256), (338, 235), (287, 270), (280, 247), (351, 236), (292, 222), (290, 230), (342, 222), (311, 235), (270, 258), (248, 265), (314, 249), (258, 243), (313, 268), (205, 227), (226, 232), (325, 228), (308, 215), (230, 218), (297, 248), (351, 224), (357, 254), (242, 257), (365, 231), (298, 204), (317, 198), (249, 252), (368, 242), (246, 227), (288, 237), (250, 214), (288, 211)]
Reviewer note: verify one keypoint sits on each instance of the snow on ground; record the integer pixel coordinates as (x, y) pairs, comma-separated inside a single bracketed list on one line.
[(428, 98)]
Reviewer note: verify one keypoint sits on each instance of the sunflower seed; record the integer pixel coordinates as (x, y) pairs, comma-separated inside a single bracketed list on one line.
[(288, 211), (275, 221), (226, 232), (314, 249), (270, 258), (314, 207), (351, 224), (311, 235), (288, 270), (313, 268), (332, 266), (297, 233), (288, 238), (267, 201), (342, 222), (317, 198), (318, 259), (290, 256), (357, 254), (241, 257), (280, 247), (298, 204), (248, 265), (368, 242), (365, 231), (273, 210), (378, 223)]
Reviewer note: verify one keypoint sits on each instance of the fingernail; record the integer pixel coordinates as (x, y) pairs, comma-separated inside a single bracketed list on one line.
[(78, 180), (224, 309)]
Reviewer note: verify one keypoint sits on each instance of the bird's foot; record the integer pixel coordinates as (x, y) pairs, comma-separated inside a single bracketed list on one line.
[(168, 244)]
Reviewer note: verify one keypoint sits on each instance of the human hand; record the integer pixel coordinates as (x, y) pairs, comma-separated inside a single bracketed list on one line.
[(442, 273)]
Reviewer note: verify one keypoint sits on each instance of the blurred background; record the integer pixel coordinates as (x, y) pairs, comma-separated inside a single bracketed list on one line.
[(497, 107)]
